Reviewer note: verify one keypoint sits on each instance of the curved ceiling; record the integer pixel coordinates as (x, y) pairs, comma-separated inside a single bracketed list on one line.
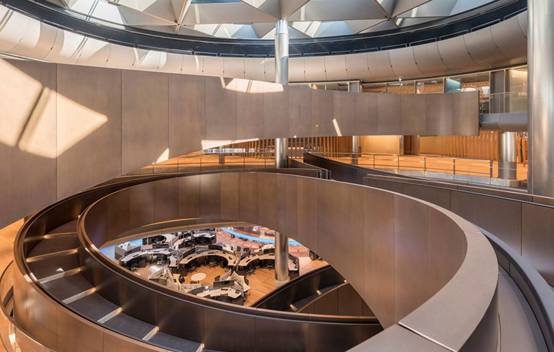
[(498, 44), (255, 19)]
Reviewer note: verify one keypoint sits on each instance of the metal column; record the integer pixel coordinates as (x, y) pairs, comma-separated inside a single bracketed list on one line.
[(355, 87), (281, 76), (507, 156), (281, 258), (281, 144), (540, 57)]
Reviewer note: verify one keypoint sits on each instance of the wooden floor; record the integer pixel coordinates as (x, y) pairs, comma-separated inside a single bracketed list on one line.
[(469, 167), (261, 281)]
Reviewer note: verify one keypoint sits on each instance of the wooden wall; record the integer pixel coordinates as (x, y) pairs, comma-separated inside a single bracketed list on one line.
[(64, 128), (483, 146)]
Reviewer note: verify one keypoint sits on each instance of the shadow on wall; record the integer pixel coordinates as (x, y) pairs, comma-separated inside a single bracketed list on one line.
[(65, 128), (62, 130)]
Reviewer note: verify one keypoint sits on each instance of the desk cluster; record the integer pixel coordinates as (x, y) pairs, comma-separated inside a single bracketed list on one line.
[(178, 254)]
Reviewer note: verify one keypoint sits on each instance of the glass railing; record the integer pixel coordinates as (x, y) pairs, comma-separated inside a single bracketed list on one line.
[(482, 171), (212, 160), (507, 102)]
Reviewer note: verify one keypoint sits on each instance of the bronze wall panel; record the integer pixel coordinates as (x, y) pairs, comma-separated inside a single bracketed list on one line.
[(413, 286), (333, 205), (389, 110), (221, 111), (438, 108), (538, 238), (300, 112), (499, 216), (443, 249), (413, 112), (230, 198), (168, 312), (166, 200), (117, 214), (344, 105), (307, 212), (276, 114), (365, 112), (113, 343), (248, 198), (189, 197), (267, 194), (464, 105), (187, 122), (88, 119), (250, 110), (435, 195), (232, 326), (379, 255), (270, 333), (354, 227), (27, 138), (145, 116), (210, 196), (82, 337), (141, 204), (287, 205), (322, 113)]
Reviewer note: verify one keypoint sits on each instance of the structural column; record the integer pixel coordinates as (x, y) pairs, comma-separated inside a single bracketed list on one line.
[(507, 156), (540, 57), (282, 77), (281, 144), (281, 258), (355, 87)]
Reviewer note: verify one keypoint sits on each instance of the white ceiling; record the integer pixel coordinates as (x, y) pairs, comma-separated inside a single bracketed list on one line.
[(255, 19)]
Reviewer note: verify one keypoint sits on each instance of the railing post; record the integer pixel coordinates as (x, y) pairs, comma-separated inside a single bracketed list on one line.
[(491, 169), (424, 164), (453, 166)]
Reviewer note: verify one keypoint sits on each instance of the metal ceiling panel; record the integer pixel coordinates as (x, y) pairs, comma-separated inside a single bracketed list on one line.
[(403, 62), (428, 59), (454, 54)]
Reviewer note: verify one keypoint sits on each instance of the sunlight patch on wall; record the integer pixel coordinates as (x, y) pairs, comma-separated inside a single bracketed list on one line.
[(337, 127), (36, 137), (250, 86), (163, 156), (212, 143), (76, 123)]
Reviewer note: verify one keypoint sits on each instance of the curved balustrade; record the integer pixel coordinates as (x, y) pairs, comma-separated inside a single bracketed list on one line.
[(512, 221), (60, 328), (417, 258)]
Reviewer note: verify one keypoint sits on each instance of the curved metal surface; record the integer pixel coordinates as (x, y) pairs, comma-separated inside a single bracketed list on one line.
[(500, 213), (299, 288), (369, 57), (420, 291), (537, 291), (62, 329), (143, 38)]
